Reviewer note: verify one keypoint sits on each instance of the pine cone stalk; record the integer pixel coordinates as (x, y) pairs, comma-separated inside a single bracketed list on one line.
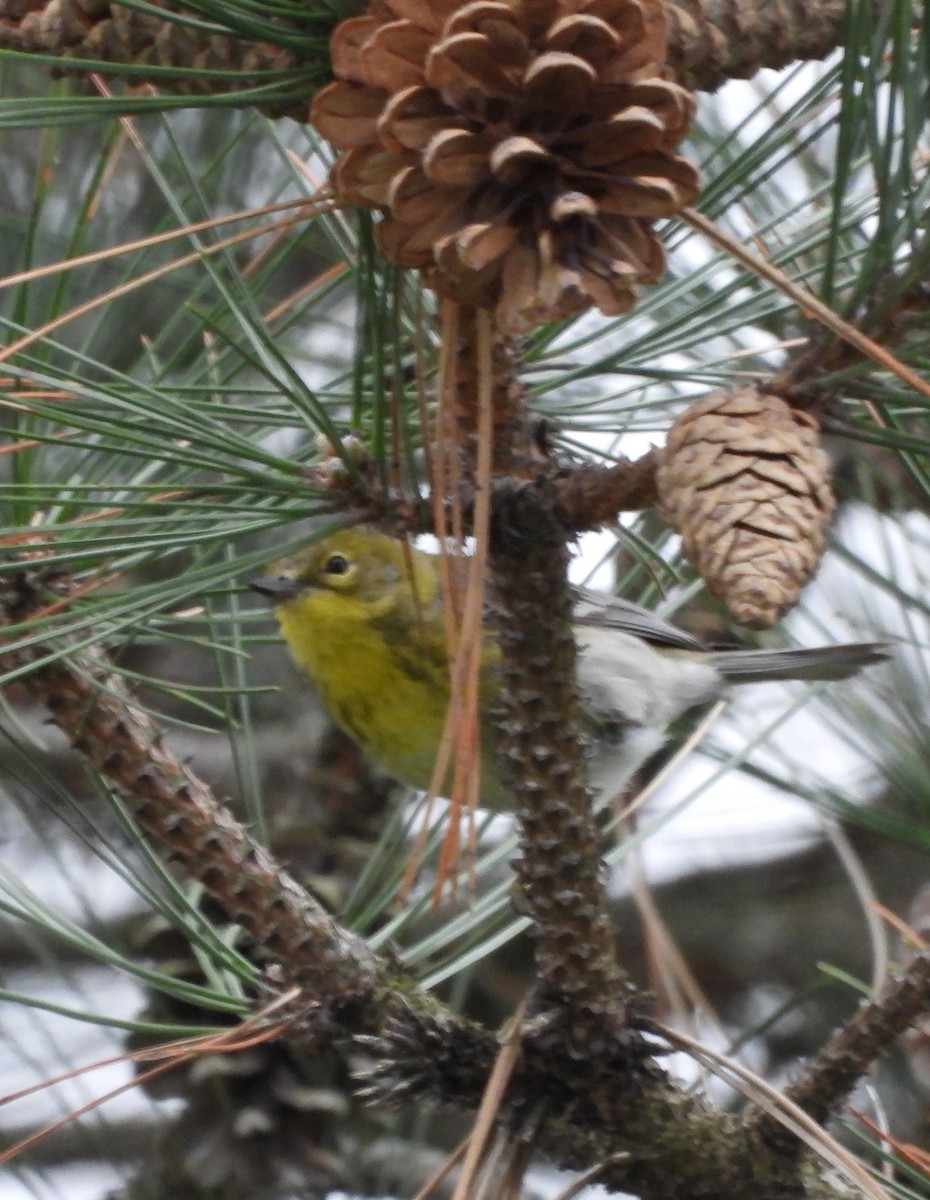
[(520, 151), (512, 452)]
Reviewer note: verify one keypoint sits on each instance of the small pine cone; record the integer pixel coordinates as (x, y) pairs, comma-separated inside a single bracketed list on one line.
[(520, 150), (745, 481)]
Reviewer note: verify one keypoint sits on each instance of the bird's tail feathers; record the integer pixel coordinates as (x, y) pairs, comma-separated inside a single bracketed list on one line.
[(821, 662)]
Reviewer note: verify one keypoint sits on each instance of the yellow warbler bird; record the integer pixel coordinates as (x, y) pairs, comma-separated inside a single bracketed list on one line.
[(362, 616)]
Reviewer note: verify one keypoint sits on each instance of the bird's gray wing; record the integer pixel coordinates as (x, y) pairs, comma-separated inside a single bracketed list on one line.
[(613, 612)]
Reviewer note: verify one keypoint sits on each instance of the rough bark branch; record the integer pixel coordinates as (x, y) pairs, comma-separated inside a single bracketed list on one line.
[(710, 42)]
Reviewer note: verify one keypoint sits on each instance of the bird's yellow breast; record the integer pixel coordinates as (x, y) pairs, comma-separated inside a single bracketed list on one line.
[(388, 689)]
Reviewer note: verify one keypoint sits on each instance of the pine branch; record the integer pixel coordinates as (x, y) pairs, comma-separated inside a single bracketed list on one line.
[(283, 923), (850, 1053), (710, 42), (561, 877), (591, 495)]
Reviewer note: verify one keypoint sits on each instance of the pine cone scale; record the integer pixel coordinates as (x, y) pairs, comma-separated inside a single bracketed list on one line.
[(351, 114)]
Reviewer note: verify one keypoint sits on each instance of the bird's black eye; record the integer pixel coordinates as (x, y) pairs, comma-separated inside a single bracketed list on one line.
[(336, 564)]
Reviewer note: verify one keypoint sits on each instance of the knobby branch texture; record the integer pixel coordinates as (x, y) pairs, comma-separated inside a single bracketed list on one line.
[(710, 42), (590, 495), (91, 704), (561, 884), (560, 873), (848, 1055)]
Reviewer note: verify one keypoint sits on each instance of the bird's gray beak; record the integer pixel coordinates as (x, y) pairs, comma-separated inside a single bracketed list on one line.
[(276, 587)]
